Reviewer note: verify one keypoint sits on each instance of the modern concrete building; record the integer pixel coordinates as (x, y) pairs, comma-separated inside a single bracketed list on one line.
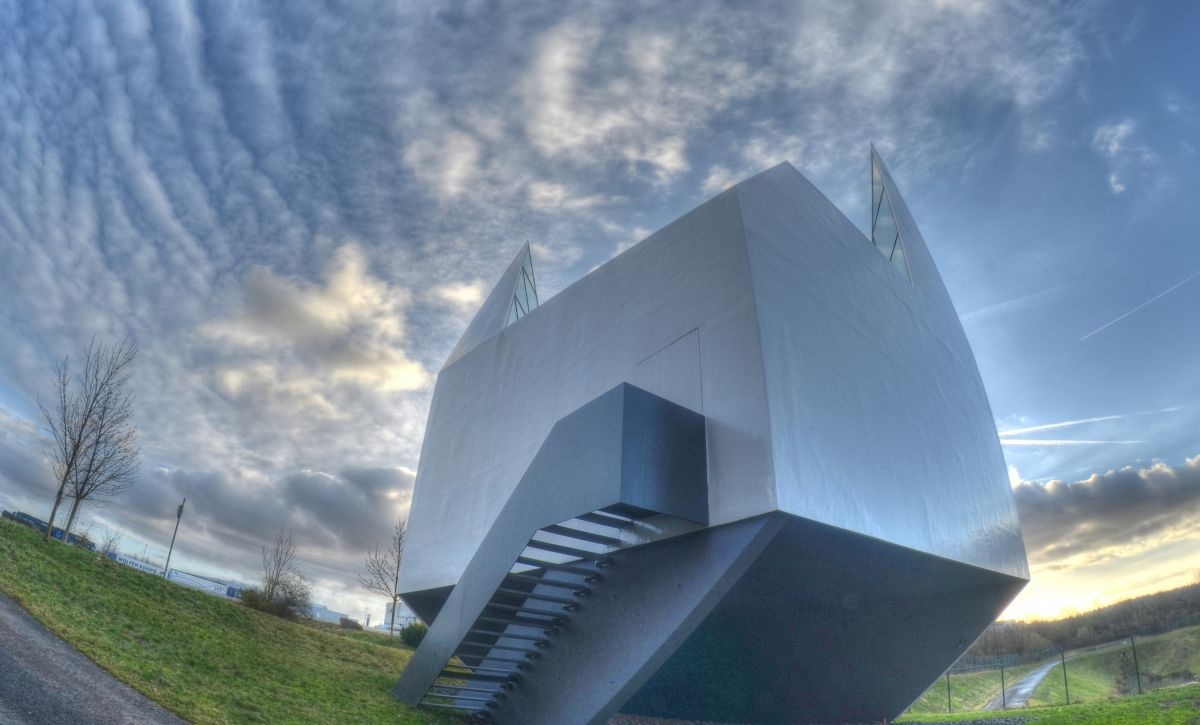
[(745, 471)]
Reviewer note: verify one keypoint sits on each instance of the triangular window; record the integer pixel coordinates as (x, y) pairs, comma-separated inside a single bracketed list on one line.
[(524, 298), (885, 233)]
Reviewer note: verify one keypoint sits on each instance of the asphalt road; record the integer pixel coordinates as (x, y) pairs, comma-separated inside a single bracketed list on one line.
[(45, 680)]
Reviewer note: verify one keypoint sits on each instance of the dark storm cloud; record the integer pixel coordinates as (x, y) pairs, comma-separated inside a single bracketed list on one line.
[(1097, 517), (354, 510), (24, 475)]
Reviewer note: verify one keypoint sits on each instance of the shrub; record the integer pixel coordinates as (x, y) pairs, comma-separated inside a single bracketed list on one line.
[(413, 634), (290, 600), (347, 623)]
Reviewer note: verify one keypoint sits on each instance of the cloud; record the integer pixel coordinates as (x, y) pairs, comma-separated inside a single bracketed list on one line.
[(1114, 514), (1138, 307), (1017, 304), (463, 295), (548, 196), (1081, 421), (1115, 142), (1175, 104), (294, 210), (599, 90), (1057, 442), (448, 163), (351, 329)]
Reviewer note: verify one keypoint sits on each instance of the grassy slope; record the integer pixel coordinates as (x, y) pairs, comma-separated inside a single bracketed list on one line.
[(972, 691), (1175, 706), (206, 659), (1163, 659)]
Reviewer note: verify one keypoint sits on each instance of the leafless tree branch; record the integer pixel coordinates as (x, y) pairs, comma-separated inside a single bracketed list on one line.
[(94, 453), (382, 571)]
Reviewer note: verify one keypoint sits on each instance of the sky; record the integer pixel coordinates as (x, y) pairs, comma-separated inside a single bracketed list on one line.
[(295, 208)]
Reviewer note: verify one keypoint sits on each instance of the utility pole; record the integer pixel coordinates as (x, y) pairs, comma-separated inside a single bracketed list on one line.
[(178, 517)]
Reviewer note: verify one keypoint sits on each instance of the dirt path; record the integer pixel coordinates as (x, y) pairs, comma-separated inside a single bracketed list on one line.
[(1019, 693)]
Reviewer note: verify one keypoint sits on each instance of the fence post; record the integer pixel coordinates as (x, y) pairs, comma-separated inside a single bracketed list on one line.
[(1003, 695), (948, 707), (1066, 688), (1137, 670)]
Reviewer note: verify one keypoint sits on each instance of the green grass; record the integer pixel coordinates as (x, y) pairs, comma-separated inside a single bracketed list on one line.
[(1174, 706), (1164, 660), (1096, 681), (968, 692), (207, 659)]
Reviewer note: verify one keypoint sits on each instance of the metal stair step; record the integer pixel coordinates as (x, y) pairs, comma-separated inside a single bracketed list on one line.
[(461, 688), (567, 550), (578, 589), (494, 658), (455, 708), (604, 519), (505, 635), (559, 530), (484, 645), (588, 574), (537, 596), (480, 673), (552, 616), (521, 622), (457, 697)]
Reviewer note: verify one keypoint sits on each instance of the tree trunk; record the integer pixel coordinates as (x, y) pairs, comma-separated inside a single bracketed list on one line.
[(392, 624), (58, 497), (71, 520)]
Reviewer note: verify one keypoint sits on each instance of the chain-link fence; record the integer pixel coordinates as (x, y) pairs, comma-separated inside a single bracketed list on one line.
[(1123, 667)]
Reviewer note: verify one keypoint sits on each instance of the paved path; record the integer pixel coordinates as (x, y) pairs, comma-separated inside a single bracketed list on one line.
[(1018, 695), (45, 680)]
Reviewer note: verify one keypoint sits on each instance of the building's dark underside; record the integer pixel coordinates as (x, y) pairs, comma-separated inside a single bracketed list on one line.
[(826, 626)]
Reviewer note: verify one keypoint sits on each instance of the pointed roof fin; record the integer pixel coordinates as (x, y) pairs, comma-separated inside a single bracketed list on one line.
[(513, 297), (885, 231)]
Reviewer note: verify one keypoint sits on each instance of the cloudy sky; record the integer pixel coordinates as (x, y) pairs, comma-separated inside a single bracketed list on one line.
[(295, 207)]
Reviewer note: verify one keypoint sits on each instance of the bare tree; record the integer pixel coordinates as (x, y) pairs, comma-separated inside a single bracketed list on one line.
[(383, 571), (94, 453), (109, 541), (279, 563), (111, 462), (285, 592)]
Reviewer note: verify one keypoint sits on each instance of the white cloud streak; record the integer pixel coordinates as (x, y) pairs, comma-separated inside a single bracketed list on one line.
[(1057, 443), (1153, 299), (1082, 421)]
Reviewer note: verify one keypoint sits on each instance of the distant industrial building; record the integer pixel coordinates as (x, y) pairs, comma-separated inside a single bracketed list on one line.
[(404, 617), (324, 614)]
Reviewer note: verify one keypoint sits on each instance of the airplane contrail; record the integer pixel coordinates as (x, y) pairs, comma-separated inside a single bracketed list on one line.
[(1158, 296), (1082, 421), (1053, 442)]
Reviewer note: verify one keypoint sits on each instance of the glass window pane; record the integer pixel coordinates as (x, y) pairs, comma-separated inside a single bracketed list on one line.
[(876, 189), (900, 260), (884, 232), (528, 299), (527, 275)]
